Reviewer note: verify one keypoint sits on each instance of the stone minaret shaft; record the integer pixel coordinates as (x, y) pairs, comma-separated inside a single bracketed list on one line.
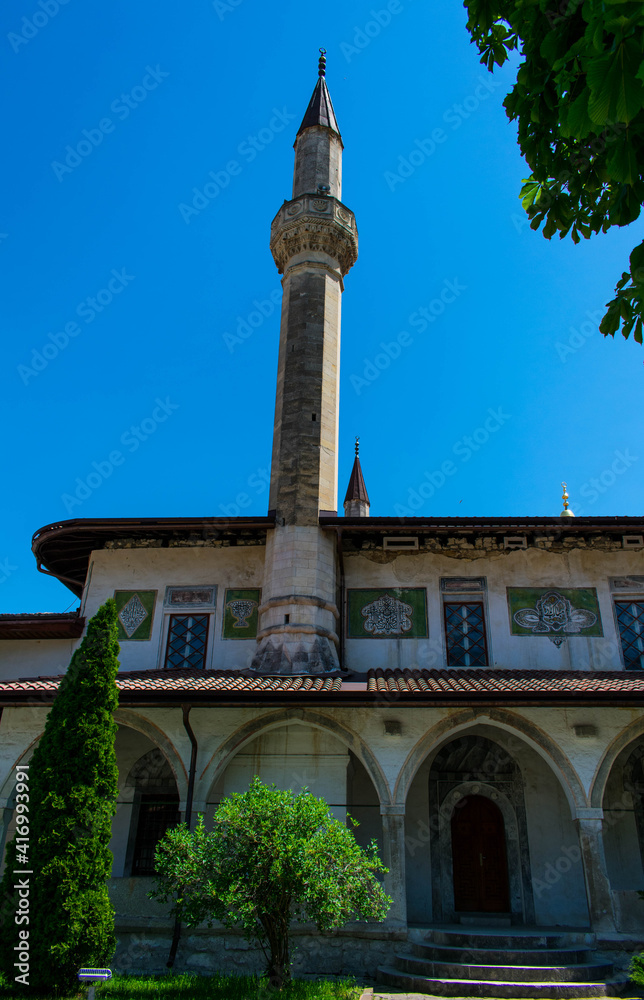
[(314, 242)]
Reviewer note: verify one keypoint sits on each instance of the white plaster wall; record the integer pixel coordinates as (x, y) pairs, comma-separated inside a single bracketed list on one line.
[(580, 567), (555, 857), (237, 567), (292, 757), (417, 850), (35, 657)]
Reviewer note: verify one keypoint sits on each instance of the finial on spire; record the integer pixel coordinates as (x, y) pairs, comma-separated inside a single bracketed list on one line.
[(322, 63), (357, 446), (565, 512)]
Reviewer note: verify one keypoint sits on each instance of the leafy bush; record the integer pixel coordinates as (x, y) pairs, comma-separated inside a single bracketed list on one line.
[(272, 857)]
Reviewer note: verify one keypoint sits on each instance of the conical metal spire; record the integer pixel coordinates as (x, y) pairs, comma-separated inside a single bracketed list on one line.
[(356, 501), (320, 110)]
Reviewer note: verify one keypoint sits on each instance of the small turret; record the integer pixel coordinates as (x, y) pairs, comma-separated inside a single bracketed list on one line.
[(356, 501)]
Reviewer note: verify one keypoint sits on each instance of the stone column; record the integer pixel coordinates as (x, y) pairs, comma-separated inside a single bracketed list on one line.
[(598, 891), (393, 831)]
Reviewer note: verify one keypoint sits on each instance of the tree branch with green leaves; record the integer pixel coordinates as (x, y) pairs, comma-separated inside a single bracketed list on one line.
[(578, 102)]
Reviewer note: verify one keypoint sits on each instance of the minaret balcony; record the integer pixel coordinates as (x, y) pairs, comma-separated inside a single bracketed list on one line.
[(318, 223)]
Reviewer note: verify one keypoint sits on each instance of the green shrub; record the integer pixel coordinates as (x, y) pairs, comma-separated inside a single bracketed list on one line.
[(272, 857)]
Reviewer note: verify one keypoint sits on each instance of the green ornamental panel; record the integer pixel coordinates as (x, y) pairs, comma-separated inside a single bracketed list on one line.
[(241, 613), (554, 611), (387, 614), (135, 610)]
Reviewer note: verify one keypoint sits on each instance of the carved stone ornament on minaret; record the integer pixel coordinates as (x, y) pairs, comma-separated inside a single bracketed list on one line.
[(314, 242)]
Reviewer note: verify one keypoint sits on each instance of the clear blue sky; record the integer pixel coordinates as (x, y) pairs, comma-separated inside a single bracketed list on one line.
[(161, 96)]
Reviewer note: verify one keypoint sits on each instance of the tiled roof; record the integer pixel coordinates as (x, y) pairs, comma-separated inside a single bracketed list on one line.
[(458, 684), (188, 681), (438, 683), (42, 625)]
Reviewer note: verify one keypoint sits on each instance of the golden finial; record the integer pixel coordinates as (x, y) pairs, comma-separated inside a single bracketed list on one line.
[(322, 63), (357, 446), (565, 512)]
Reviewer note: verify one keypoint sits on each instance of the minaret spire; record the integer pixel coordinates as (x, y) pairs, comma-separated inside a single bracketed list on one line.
[(356, 501), (314, 242), (320, 110)]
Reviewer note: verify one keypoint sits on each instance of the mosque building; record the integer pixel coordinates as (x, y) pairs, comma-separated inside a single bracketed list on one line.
[(469, 689)]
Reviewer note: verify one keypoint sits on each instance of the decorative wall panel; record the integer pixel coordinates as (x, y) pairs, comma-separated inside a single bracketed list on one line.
[(135, 610), (241, 614), (554, 611), (387, 614)]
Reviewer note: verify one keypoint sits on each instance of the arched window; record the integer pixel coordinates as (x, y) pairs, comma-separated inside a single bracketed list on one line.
[(155, 809)]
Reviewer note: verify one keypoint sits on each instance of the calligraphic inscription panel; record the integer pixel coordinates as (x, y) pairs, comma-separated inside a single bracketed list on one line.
[(555, 612), (387, 614)]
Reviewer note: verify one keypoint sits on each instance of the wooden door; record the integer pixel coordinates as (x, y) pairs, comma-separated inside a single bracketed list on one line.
[(479, 857)]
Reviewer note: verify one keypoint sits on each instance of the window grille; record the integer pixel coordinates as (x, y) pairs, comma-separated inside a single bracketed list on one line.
[(187, 641), (157, 813), (465, 634), (630, 618)]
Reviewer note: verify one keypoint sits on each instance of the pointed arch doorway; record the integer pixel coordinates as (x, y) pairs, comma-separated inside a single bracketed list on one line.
[(479, 857)]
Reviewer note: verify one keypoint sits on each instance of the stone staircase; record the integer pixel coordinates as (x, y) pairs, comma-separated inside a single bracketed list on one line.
[(489, 963)]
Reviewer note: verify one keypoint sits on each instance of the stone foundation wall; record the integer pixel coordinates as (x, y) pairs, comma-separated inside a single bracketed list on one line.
[(341, 953)]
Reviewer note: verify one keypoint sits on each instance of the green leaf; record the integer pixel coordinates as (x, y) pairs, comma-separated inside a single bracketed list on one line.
[(616, 93), (578, 120), (636, 261)]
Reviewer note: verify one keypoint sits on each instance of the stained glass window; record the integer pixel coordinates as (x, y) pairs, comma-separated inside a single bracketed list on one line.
[(187, 641), (465, 634), (630, 618)]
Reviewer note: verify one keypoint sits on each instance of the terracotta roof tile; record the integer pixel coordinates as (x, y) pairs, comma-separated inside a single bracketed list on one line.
[(187, 681), (462, 681), (434, 685)]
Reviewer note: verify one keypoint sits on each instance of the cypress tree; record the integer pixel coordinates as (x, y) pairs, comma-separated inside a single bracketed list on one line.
[(73, 781)]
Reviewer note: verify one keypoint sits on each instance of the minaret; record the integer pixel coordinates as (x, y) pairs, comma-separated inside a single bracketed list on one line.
[(356, 501), (314, 242)]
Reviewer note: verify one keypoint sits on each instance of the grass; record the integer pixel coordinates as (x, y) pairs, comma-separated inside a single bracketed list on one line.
[(217, 987)]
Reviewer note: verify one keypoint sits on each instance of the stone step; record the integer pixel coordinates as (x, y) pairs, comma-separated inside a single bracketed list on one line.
[(506, 942), (588, 972), (485, 920), (510, 989), (503, 956)]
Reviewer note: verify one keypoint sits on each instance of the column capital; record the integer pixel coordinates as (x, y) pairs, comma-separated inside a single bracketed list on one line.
[(397, 809), (589, 814)]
